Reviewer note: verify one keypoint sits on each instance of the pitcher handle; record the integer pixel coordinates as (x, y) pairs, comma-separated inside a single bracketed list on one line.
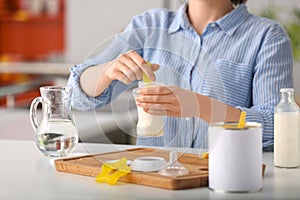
[(33, 112)]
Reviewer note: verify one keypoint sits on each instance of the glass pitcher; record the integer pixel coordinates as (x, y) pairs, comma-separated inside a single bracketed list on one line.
[(56, 134)]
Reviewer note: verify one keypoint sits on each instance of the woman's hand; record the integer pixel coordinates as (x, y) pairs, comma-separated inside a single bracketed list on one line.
[(177, 102), (168, 100), (126, 68), (129, 67)]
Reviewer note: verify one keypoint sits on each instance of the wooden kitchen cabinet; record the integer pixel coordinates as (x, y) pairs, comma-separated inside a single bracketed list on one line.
[(31, 37), (28, 37)]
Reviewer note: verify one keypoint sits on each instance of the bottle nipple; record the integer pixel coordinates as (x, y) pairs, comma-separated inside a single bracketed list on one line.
[(174, 167)]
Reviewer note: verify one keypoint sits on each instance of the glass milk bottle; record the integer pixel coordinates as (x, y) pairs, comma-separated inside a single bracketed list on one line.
[(287, 131)]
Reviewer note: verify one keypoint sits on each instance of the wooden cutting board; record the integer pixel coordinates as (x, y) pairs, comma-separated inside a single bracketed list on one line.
[(91, 166)]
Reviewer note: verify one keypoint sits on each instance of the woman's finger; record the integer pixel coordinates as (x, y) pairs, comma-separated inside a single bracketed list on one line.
[(156, 99), (121, 77), (127, 71), (142, 64), (162, 113), (154, 67), (159, 90), (158, 107), (136, 70)]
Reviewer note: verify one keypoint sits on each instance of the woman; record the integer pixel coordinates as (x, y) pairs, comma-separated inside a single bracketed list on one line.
[(215, 58)]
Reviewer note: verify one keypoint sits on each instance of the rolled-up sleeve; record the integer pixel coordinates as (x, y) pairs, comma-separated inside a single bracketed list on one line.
[(79, 99)]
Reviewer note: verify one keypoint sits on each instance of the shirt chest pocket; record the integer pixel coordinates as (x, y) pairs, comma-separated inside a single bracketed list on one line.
[(230, 82)]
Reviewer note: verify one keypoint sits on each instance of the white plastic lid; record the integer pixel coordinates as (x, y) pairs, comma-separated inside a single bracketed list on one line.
[(287, 90)]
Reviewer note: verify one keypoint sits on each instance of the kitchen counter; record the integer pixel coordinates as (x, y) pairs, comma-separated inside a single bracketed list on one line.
[(26, 174), (53, 69), (93, 126)]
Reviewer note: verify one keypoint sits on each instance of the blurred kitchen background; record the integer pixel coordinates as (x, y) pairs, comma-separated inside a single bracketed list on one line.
[(41, 39)]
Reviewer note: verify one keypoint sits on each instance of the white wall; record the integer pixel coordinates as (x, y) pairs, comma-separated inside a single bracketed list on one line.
[(285, 8), (90, 22)]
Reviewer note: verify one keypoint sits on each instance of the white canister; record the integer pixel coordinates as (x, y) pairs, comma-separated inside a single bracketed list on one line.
[(235, 158)]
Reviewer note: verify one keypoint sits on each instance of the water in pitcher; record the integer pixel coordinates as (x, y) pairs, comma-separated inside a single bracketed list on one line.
[(58, 139)]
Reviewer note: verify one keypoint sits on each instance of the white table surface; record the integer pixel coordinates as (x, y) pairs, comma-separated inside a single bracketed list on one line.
[(26, 174)]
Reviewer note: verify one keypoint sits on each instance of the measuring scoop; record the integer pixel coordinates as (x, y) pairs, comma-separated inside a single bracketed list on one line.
[(146, 79), (240, 125)]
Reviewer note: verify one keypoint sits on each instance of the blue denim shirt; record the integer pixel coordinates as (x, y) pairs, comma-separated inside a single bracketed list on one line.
[(241, 59)]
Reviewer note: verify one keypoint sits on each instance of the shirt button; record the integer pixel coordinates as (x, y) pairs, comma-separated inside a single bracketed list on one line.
[(213, 25)]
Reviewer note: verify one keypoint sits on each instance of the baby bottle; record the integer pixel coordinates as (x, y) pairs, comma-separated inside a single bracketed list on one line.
[(148, 125)]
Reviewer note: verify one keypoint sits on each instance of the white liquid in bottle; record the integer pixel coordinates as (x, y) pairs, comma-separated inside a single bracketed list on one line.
[(287, 130), (149, 125), (286, 139)]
